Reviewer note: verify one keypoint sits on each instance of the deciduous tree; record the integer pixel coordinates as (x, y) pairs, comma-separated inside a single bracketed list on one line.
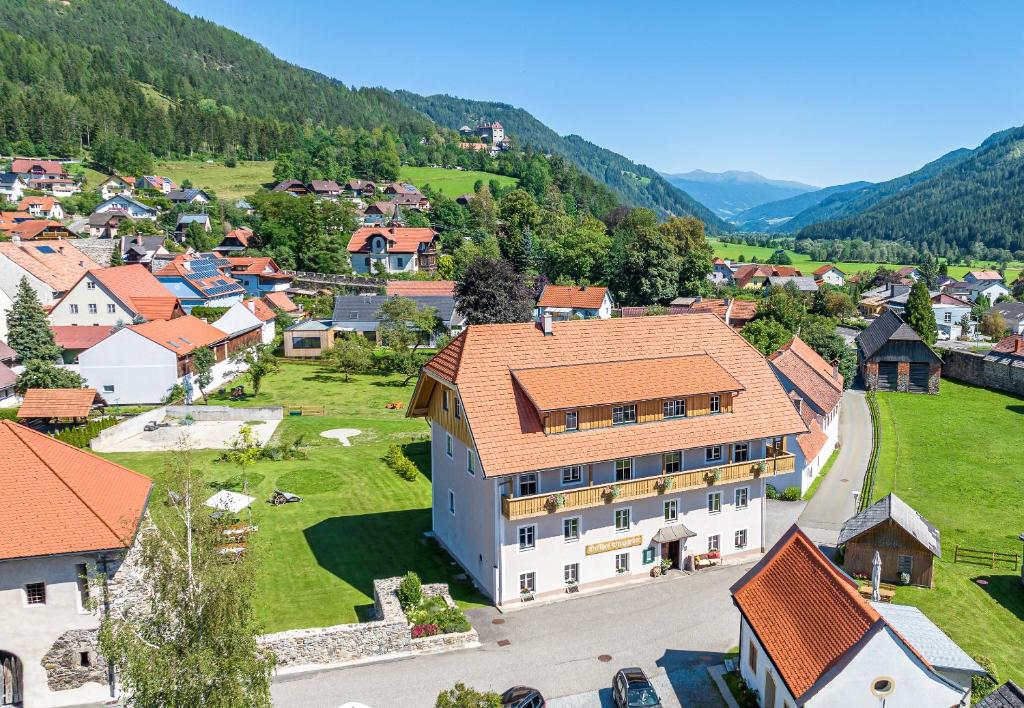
[(492, 292), (643, 268), (767, 335), (41, 373), (260, 363), (993, 325), (203, 361), (351, 354)]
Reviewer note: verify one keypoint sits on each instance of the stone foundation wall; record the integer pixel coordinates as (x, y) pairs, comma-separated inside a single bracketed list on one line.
[(975, 369), (63, 662)]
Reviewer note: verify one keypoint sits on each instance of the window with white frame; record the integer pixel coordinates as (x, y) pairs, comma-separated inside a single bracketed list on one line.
[(92, 308), (471, 462), (571, 573), (621, 562), (622, 520), (444, 400), (448, 445), (451, 502), (671, 511), (623, 469), (527, 537), (740, 452), (713, 453), (714, 543), (714, 502), (672, 462), (674, 409), (947, 318), (73, 308), (528, 582), (111, 308), (741, 497), (572, 474), (572, 420), (527, 484), (571, 529), (108, 388), (740, 539), (458, 408), (624, 414), (716, 404), (90, 285)]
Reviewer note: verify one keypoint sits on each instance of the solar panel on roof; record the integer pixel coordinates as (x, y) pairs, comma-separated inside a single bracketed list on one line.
[(45, 249)]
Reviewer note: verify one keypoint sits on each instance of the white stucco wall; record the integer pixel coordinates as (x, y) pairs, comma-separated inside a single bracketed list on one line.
[(81, 296), (5, 304), (140, 370), (10, 276), (756, 678)]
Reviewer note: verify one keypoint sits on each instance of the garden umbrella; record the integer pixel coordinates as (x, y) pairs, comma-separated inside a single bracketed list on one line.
[(876, 576)]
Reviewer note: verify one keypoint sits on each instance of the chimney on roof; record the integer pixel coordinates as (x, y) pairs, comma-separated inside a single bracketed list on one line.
[(699, 298), (835, 369), (545, 324), (60, 250), (583, 288)]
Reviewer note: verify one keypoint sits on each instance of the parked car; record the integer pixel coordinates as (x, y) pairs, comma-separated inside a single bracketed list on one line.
[(632, 689), (522, 697)]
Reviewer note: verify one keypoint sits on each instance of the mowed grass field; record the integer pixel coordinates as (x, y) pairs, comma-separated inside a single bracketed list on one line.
[(450, 183), (733, 251), (358, 520), (227, 182), (956, 459)]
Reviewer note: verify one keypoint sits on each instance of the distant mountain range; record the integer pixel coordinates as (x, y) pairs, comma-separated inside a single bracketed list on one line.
[(775, 216), (729, 193)]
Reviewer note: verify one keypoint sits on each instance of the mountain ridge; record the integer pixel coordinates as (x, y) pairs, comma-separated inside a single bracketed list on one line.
[(731, 192)]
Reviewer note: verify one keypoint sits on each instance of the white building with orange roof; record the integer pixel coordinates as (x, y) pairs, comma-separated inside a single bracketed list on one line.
[(117, 295), (42, 207), (69, 520), (574, 302), (572, 455), (393, 249)]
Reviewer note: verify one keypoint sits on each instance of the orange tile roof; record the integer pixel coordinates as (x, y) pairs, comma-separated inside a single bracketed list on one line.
[(811, 374), (253, 265), (139, 290), (281, 301), (180, 335), (78, 338), (59, 499), (400, 240), (11, 218), (985, 275), (552, 388), (584, 298), (813, 441), (261, 309), (421, 287), (46, 202), (242, 234), (508, 433), (1014, 344), (37, 229), (59, 265), (57, 402), (826, 268), (25, 165), (805, 612)]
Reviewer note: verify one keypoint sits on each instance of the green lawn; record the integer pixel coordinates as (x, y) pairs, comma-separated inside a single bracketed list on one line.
[(228, 182), (358, 520), (733, 251), (956, 458), (451, 183)]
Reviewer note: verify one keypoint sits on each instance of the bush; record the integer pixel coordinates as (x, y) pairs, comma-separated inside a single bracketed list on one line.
[(82, 435), (410, 592), (425, 630), (790, 494), (771, 492), (396, 459), (427, 611), (983, 684), (451, 620)]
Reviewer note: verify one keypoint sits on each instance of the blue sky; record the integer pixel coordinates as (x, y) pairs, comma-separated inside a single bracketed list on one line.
[(818, 92)]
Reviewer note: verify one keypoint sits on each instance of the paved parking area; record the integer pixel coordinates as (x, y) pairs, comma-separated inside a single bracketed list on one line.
[(209, 435)]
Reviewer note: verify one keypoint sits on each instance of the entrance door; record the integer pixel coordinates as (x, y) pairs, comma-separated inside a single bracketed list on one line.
[(888, 375), (671, 550), (10, 679), (919, 378), (769, 690)]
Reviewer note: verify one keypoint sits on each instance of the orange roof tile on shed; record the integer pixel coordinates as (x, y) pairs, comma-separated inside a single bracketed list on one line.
[(180, 335), (587, 297), (552, 388), (57, 402), (60, 499), (420, 287), (508, 433)]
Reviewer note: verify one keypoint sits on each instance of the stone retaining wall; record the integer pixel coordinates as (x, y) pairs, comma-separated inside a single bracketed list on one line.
[(976, 369), (207, 413), (109, 438)]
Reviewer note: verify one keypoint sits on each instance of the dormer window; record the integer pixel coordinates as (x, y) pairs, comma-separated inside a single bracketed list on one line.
[(571, 420), (716, 404), (622, 415), (674, 409)]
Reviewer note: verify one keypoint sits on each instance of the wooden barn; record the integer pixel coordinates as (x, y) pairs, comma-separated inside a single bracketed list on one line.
[(893, 357), (904, 539)]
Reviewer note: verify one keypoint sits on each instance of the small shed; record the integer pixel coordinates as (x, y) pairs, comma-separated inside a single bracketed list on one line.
[(893, 357), (43, 408), (904, 539)]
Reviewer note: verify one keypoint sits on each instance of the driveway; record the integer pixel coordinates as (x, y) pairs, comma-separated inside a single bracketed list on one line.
[(833, 503), (203, 434)]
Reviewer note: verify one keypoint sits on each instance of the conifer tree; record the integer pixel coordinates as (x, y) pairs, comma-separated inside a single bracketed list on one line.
[(28, 330), (919, 313)]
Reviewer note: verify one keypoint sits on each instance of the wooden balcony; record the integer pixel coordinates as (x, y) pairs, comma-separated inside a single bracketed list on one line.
[(600, 494)]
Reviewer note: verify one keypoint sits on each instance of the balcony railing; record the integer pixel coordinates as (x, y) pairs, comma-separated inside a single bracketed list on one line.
[(600, 494)]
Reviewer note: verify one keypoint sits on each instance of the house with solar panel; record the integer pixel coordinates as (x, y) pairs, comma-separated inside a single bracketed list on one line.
[(201, 279)]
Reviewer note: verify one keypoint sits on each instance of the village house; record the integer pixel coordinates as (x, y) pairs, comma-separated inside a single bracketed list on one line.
[(31, 169), (142, 249), (57, 187), (51, 268), (156, 182), (393, 250), (74, 339), (140, 364), (12, 187), (875, 300), (905, 541), (291, 186), (893, 357), (247, 316), (1012, 313), (398, 188), (308, 339), (42, 207), (573, 455), (803, 283), (828, 274), (201, 279), (113, 186), (721, 272), (117, 295), (909, 273), (983, 276), (571, 302), (735, 313), (327, 188), (279, 300), (188, 196), (816, 388), (972, 290), (105, 225), (235, 241), (361, 188), (950, 313), (807, 638), (361, 313), (39, 230), (8, 380), (70, 519), (377, 213), (186, 220), (258, 275), (752, 276), (412, 202), (121, 204)]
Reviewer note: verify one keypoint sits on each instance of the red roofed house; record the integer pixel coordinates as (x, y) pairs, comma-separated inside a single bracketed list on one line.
[(42, 207), (571, 302), (752, 276), (393, 249), (142, 363), (280, 301), (983, 276), (247, 316), (74, 340), (69, 519), (259, 275), (572, 455), (830, 275), (807, 638), (156, 182), (30, 169), (235, 240), (39, 230), (816, 388), (120, 294)]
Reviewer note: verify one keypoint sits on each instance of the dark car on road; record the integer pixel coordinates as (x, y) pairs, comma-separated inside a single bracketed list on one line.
[(522, 697), (632, 689)]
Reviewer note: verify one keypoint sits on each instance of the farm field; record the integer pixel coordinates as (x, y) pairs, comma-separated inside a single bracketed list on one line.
[(955, 458), (226, 182), (451, 183), (358, 519)]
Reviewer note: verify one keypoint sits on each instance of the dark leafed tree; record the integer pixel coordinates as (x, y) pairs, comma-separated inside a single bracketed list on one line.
[(28, 330), (492, 292), (39, 373), (644, 267), (919, 313)]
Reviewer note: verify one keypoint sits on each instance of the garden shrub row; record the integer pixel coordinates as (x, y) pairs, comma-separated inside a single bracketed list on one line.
[(396, 459)]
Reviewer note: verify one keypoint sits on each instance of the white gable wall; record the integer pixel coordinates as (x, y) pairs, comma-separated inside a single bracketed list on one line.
[(81, 296), (140, 370)]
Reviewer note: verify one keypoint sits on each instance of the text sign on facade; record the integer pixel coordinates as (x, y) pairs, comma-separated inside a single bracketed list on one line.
[(614, 545)]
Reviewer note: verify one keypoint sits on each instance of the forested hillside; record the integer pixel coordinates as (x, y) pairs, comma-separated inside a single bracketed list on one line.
[(639, 184), (978, 198), (773, 217)]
